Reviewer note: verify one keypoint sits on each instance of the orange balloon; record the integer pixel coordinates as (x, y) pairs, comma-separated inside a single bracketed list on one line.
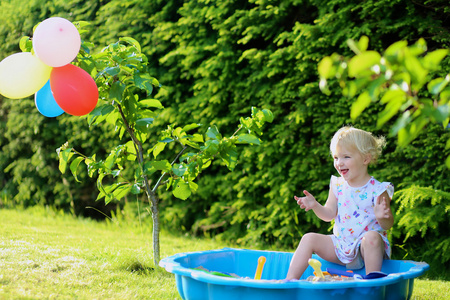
[(74, 90)]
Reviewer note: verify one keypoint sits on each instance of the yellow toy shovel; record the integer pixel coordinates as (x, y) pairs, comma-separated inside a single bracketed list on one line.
[(315, 264)]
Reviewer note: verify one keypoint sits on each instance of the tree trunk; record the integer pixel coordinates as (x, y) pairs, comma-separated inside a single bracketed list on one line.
[(151, 194), (155, 231)]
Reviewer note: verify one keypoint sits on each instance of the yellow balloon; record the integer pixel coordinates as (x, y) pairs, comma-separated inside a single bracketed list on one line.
[(22, 74)]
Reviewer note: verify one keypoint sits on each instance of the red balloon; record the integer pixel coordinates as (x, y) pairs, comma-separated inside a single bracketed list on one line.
[(74, 90)]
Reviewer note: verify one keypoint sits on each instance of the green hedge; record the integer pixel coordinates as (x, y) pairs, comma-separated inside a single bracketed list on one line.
[(216, 59)]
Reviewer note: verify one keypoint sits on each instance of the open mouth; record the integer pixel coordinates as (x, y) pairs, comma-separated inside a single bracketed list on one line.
[(343, 171)]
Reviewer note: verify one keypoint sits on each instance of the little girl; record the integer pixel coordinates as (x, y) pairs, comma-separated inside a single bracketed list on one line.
[(359, 205)]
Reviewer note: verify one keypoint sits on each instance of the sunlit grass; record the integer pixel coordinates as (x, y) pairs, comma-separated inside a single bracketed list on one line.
[(46, 255), (49, 255)]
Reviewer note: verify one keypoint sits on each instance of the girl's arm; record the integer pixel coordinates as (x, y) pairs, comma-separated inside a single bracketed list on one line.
[(325, 212), (383, 211)]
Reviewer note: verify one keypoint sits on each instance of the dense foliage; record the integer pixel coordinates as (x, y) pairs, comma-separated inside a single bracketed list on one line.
[(218, 58)]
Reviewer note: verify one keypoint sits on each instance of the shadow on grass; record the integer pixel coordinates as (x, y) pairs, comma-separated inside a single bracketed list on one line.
[(137, 267)]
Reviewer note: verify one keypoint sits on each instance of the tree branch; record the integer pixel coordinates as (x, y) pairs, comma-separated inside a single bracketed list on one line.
[(165, 173)]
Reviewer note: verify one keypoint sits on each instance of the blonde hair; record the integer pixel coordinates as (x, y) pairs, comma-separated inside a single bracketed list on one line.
[(361, 140)]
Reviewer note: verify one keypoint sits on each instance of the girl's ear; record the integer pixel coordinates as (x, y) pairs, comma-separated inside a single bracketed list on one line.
[(367, 159)]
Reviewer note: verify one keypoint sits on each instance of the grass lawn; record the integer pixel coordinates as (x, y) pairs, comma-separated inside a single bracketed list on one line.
[(47, 255)]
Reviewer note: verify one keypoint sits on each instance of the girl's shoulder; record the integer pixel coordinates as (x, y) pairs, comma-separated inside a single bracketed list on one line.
[(336, 180), (380, 187), (336, 185)]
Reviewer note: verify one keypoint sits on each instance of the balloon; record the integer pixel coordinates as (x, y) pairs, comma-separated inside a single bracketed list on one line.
[(46, 103), (56, 41), (74, 90), (22, 74)]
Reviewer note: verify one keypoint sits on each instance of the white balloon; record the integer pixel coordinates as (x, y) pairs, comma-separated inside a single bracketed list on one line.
[(56, 41)]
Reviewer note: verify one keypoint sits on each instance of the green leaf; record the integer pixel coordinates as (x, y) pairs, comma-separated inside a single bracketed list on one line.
[(191, 126), (408, 134), (100, 186), (111, 160), (116, 91), (162, 165), (197, 138), (438, 114), (437, 85), (247, 123), (396, 95), (25, 44), (144, 124), (268, 115), (130, 151), (159, 147), (363, 62), (392, 53), (389, 111), (261, 116), (179, 169), (363, 43), (64, 157), (74, 167), (144, 82), (190, 143), (180, 134), (246, 138), (417, 71), (229, 156), (148, 169), (182, 190), (169, 183), (433, 59), (166, 140), (112, 71), (376, 87), (401, 123), (100, 111), (150, 103), (325, 68), (92, 166), (193, 186), (131, 41), (211, 147), (394, 99), (360, 105), (213, 133), (122, 191)]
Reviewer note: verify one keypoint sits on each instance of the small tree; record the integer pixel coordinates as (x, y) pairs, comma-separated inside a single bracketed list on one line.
[(125, 88), (401, 78)]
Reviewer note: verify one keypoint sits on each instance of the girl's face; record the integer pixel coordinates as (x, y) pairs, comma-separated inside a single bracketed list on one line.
[(351, 165)]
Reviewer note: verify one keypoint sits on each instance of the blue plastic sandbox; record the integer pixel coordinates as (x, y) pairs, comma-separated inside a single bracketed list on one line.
[(195, 284)]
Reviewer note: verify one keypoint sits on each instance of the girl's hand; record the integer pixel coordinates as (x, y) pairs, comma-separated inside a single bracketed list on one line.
[(382, 208), (308, 202)]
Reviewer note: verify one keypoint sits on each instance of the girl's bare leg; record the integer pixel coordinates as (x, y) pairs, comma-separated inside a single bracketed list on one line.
[(372, 250), (311, 243)]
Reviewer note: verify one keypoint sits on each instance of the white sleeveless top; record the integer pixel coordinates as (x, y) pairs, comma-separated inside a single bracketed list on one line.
[(356, 216)]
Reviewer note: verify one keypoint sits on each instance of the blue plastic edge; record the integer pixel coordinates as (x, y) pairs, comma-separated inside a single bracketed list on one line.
[(172, 266)]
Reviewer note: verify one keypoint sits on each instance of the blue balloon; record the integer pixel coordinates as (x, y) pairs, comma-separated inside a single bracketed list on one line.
[(46, 103)]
